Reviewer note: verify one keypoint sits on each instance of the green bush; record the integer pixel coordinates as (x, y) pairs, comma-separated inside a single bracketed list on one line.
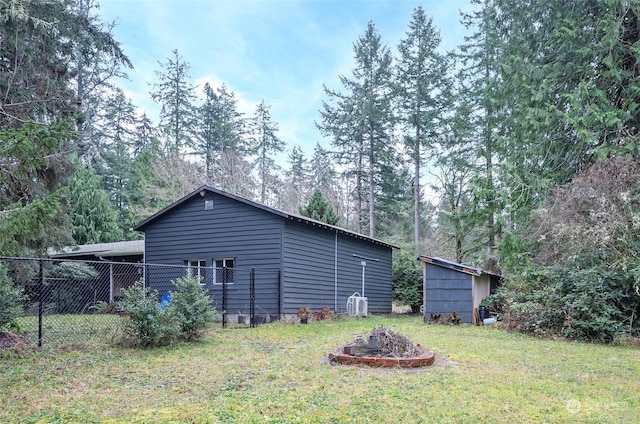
[(10, 298), (407, 281), (72, 286), (150, 323), (590, 299), (596, 302), (575, 271), (191, 307), (147, 324)]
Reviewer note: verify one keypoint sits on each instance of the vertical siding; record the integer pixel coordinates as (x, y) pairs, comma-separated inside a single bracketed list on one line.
[(231, 229), (447, 291), (309, 270), (481, 288)]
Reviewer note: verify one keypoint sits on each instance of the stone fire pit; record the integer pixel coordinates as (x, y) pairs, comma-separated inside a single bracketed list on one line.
[(384, 348)]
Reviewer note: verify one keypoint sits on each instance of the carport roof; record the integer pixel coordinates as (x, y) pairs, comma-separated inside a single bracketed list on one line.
[(118, 248)]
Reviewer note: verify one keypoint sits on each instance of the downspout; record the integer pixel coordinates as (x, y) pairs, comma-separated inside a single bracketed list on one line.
[(335, 275), (110, 277), (424, 291), (110, 282), (144, 262)]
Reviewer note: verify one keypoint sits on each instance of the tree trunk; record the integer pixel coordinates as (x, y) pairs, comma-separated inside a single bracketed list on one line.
[(416, 193), (491, 201), (372, 222), (359, 193)]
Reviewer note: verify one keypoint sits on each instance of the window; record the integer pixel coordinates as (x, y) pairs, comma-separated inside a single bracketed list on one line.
[(223, 265), (197, 267)]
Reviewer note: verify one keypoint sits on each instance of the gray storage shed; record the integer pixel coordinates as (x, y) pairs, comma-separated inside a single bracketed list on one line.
[(452, 287), (299, 262)]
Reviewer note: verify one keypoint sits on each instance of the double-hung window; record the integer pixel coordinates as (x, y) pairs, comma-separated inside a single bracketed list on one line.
[(197, 267), (224, 271)]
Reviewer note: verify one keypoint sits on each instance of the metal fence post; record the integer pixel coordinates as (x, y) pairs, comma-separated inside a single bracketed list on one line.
[(224, 297), (41, 302), (279, 294), (110, 283), (252, 297), (144, 276)]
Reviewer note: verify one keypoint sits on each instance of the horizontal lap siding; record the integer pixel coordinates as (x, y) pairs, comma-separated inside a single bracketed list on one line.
[(238, 299), (231, 229), (308, 271), (448, 291), (378, 282)]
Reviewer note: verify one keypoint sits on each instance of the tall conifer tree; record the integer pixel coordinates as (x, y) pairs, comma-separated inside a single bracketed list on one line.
[(220, 128), (41, 47), (297, 180), (174, 92), (478, 120), (265, 143), (119, 138), (421, 88), (361, 121)]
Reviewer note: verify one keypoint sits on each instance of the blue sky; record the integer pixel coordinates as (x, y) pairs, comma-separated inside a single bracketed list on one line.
[(279, 50)]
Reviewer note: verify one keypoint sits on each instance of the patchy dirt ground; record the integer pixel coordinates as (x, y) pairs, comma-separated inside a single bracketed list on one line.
[(10, 340)]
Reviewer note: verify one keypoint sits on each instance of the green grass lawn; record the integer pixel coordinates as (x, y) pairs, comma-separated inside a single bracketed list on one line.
[(278, 373)]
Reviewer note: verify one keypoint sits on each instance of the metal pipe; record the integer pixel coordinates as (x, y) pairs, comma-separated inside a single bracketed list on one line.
[(364, 265), (365, 258), (252, 298), (335, 276), (110, 282)]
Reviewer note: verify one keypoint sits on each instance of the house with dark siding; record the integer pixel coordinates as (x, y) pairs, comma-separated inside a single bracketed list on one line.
[(453, 287), (295, 261)]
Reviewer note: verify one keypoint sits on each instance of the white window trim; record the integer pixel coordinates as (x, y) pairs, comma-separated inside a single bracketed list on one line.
[(200, 268), (216, 268)]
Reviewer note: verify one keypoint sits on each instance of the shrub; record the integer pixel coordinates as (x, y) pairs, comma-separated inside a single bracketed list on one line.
[(191, 307), (10, 298), (407, 281), (150, 323), (146, 324), (72, 286), (576, 271), (596, 302)]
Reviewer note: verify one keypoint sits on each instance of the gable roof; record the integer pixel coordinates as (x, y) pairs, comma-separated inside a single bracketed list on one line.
[(456, 266), (286, 215)]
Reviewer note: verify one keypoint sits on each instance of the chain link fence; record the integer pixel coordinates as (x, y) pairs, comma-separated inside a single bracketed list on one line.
[(73, 302)]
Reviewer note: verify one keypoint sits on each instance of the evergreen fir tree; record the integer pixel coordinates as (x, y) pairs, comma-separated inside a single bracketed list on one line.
[(94, 218), (319, 209), (265, 142), (361, 121), (421, 85), (175, 95)]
